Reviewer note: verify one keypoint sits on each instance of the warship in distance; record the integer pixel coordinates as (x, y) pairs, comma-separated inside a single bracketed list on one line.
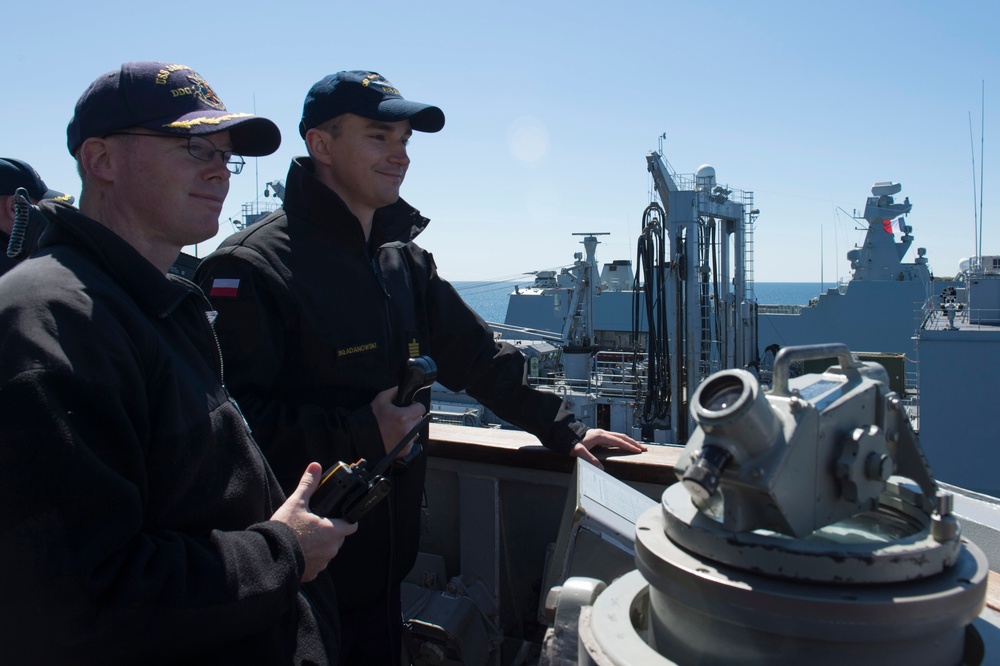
[(880, 308)]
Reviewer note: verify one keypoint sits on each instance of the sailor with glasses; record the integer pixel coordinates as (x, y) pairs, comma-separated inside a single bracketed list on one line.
[(142, 523), (199, 148)]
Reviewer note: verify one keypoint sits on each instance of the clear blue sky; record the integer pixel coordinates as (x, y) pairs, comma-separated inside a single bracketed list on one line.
[(552, 106)]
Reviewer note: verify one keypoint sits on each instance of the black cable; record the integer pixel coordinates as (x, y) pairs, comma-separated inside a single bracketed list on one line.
[(22, 213), (714, 251), (650, 285)]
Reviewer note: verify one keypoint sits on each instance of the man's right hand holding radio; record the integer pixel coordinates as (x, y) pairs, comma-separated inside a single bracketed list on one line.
[(320, 538), (394, 408), (394, 422)]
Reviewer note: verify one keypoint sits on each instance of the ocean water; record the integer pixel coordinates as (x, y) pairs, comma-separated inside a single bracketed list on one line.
[(489, 299)]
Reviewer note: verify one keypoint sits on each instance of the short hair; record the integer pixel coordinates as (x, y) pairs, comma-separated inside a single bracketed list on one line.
[(333, 127), (80, 171)]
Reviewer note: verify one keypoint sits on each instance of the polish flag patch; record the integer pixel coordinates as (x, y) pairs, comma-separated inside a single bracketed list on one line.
[(224, 288)]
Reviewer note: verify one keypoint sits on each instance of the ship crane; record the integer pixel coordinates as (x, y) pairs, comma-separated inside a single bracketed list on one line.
[(277, 187), (255, 211), (708, 297)]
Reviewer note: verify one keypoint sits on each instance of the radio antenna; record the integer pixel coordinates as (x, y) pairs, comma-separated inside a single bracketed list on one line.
[(982, 158), (975, 199)]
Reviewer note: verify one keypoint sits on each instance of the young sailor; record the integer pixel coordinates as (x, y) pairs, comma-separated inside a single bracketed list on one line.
[(322, 303)]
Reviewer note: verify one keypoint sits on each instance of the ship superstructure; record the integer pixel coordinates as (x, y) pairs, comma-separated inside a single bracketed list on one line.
[(636, 343), (880, 308)]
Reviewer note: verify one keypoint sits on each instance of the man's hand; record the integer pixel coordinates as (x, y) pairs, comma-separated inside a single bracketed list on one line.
[(395, 422), (320, 538), (598, 437)]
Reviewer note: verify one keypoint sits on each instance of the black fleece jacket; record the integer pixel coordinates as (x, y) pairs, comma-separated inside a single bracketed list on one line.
[(314, 323), (134, 503)]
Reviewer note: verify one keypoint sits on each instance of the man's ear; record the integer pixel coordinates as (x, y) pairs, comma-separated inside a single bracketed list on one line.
[(98, 157), (318, 145), (6, 215)]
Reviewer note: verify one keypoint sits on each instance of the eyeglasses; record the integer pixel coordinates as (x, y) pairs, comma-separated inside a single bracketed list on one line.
[(200, 149)]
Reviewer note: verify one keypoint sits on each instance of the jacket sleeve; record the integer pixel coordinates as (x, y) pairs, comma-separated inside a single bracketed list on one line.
[(256, 327), (492, 372), (84, 571)]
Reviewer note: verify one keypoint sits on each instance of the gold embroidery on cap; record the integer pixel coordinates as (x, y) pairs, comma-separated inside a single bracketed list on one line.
[(166, 71), (188, 124), (204, 92), (382, 83)]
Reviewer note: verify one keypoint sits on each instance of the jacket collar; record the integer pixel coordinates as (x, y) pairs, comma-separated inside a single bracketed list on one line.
[(307, 197), (155, 292)]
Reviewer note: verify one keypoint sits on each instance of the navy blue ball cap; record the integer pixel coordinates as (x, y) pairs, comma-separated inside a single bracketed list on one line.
[(167, 98), (16, 173), (368, 95)]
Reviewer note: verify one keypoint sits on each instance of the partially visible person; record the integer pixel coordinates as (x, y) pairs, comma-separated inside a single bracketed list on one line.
[(15, 174), (139, 522), (321, 304)]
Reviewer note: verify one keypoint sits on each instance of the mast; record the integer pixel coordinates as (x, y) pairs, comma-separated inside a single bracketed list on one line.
[(976, 235), (982, 158)]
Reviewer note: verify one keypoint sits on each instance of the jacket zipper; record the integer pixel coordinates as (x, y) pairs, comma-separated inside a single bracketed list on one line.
[(390, 593), (390, 337)]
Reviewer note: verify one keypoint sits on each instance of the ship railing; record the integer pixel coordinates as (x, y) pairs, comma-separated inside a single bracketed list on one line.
[(685, 182), (602, 385), (982, 318), (779, 309), (968, 319), (560, 384), (911, 407), (925, 313), (619, 373), (612, 376), (457, 415), (526, 333), (255, 211)]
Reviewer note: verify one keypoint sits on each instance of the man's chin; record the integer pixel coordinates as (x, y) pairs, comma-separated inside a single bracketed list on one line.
[(206, 231)]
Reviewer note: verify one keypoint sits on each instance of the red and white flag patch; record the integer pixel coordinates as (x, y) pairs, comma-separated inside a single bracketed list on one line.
[(225, 288)]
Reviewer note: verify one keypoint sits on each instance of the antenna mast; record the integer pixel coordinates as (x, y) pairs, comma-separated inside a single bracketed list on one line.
[(822, 273), (256, 162), (975, 198), (982, 158)]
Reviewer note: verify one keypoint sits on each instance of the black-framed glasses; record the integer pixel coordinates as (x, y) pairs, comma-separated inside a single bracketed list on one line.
[(199, 148)]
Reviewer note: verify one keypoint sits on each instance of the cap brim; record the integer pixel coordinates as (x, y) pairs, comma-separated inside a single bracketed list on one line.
[(422, 117), (252, 136), (255, 137), (58, 196)]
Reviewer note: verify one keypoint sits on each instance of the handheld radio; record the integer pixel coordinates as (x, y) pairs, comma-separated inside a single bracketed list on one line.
[(349, 491)]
